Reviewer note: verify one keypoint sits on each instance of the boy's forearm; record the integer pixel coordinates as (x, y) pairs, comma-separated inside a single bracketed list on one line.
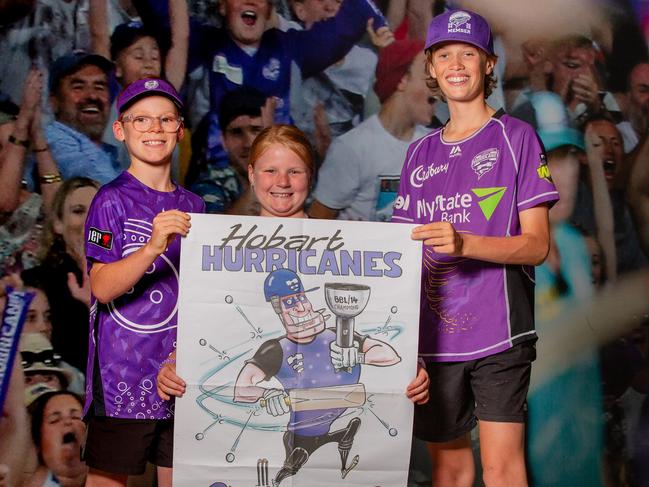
[(526, 249), (109, 281)]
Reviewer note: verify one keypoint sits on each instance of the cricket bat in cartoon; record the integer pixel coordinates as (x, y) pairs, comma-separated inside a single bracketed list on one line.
[(312, 398)]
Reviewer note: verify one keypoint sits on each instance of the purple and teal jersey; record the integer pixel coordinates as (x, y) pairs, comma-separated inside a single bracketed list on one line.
[(134, 333), (306, 365), (471, 308)]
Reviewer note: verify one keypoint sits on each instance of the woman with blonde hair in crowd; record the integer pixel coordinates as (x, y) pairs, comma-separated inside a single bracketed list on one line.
[(62, 271), (22, 211)]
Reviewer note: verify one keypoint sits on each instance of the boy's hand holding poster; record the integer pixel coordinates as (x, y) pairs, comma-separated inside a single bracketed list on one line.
[(297, 339)]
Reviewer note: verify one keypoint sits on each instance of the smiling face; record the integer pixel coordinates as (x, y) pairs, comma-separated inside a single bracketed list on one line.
[(81, 101), (155, 146), (245, 19), (460, 70), (298, 317), (139, 60), (62, 432), (281, 182)]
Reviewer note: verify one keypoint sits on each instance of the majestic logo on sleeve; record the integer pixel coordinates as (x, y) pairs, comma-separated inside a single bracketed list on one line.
[(543, 171), (100, 238), (459, 22), (490, 197), (485, 161)]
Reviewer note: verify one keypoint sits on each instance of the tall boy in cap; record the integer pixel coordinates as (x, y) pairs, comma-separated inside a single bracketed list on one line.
[(480, 189), (133, 254), (355, 180)]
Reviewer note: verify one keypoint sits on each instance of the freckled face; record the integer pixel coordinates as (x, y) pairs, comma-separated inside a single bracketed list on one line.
[(281, 182)]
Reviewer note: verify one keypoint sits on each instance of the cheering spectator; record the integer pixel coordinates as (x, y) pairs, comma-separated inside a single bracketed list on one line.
[(360, 176), (63, 269), (607, 154), (21, 211), (243, 113), (340, 89), (246, 53), (79, 99), (42, 365), (139, 52), (14, 430), (57, 432)]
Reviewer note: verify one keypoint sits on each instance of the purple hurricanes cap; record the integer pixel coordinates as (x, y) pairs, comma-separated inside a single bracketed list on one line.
[(143, 88), (460, 26)]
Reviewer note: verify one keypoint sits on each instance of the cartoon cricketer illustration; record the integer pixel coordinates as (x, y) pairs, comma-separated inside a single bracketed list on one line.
[(318, 367)]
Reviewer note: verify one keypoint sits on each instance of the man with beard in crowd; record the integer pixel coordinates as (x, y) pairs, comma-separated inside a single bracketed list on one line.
[(80, 101)]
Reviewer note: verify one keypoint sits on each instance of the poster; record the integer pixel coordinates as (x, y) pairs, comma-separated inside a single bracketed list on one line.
[(297, 339)]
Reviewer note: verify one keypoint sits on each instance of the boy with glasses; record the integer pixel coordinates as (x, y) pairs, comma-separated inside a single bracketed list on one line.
[(133, 256)]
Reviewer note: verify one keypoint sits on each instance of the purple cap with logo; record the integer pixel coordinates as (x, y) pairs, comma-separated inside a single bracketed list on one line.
[(460, 26), (143, 88)]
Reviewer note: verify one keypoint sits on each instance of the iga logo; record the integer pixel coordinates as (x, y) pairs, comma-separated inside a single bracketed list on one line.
[(485, 161), (100, 238)]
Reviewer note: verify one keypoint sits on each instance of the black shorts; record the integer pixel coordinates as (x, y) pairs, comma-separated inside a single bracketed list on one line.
[(124, 446), (492, 388)]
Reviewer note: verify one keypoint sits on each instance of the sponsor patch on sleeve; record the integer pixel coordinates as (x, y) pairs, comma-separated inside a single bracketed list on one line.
[(543, 171), (100, 238)]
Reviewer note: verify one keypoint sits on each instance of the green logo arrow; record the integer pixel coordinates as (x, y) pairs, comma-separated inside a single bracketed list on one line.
[(490, 199)]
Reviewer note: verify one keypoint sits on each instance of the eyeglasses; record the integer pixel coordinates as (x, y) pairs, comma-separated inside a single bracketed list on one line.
[(47, 357), (143, 123)]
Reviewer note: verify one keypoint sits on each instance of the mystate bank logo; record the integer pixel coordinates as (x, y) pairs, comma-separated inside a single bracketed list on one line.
[(457, 208)]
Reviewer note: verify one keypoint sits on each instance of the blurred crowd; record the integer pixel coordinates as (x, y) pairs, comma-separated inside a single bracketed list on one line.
[(352, 77)]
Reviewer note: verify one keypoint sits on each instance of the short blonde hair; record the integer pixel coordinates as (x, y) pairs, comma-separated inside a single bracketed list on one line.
[(290, 137)]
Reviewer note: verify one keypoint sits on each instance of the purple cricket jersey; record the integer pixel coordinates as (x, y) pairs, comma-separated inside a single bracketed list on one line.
[(470, 308), (306, 365), (133, 334)]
